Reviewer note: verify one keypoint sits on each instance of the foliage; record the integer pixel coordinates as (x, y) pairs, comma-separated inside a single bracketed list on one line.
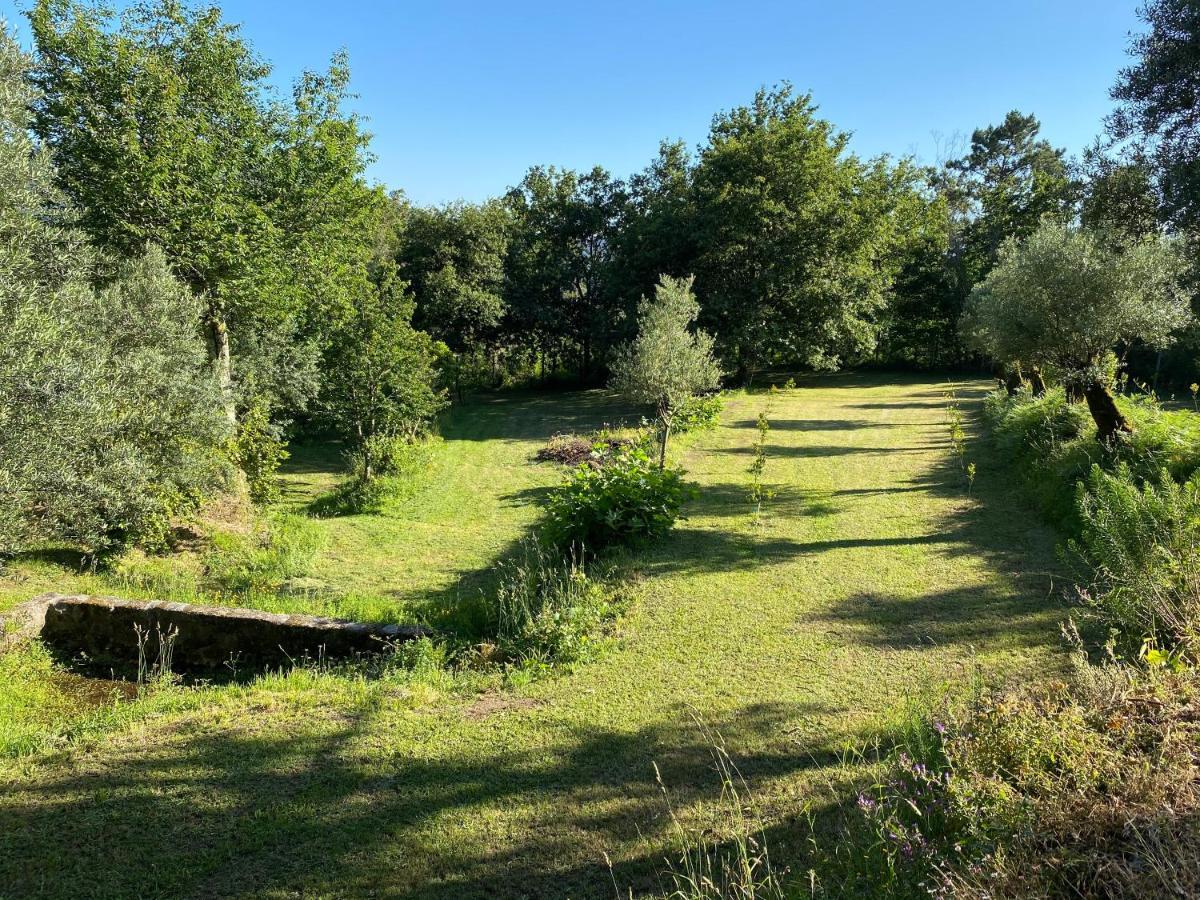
[(1050, 444), (795, 235), (667, 364), (547, 607), (109, 418), (258, 451), (1048, 791), (1142, 546), (627, 502), (1063, 299), (395, 466), (381, 382), (1157, 96), (164, 131), (566, 224), (698, 413)]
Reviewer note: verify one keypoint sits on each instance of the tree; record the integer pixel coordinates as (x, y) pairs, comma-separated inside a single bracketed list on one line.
[(1063, 298), (1160, 103), (110, 421), (164, 131), (1003, 188), (382, 377), (453, 260), (667, 363), (795, 236), (565, 227)]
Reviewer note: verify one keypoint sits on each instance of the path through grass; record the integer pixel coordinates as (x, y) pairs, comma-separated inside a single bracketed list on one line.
[(872, 579)]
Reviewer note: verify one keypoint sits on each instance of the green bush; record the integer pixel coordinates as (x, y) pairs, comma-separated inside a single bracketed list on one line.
[(258, 451), (626, 502), (384, 470), (1048, 791), (1051, 445), (698, 413), (547, 607), (1142, 542)]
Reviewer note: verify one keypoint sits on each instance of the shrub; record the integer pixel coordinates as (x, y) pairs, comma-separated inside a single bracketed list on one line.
[(258, 451), (626, 502), (699, 413), (383, 470), (546, 605), (1051, 445), (1143, 545), (1087, 791)]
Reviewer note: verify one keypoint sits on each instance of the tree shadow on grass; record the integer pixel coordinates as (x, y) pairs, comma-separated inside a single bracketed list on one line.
[(807, 452), (324, 808)]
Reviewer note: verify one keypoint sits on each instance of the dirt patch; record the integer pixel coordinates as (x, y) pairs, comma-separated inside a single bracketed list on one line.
[(493, 704)]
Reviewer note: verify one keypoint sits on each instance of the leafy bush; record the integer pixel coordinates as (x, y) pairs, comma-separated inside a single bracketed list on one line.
[(1052, 446), (382, 471), (258, 451), (1085, 791), (1143, 545), (626, 502), (699, 413), (547, 607)]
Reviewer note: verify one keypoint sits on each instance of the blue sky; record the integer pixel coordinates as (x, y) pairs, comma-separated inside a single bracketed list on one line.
[(463, 97)]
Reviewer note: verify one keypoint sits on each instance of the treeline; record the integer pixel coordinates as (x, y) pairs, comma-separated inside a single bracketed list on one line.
[(152, 143)]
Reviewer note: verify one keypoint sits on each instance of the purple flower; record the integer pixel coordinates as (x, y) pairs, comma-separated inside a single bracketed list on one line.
[(939, 727)]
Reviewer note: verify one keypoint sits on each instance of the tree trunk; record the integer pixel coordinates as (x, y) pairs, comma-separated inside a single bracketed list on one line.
[(218, 354), (1074, 391), (1037, 381), (1103, 407)]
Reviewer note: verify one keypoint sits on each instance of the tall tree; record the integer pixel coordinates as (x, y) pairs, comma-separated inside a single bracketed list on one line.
[(559, 261), (796, 235), (1159, 98), (163, 131), (453, 259), (1002, 189)]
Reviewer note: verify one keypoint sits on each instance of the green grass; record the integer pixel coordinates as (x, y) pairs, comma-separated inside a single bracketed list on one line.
[(873, 578)]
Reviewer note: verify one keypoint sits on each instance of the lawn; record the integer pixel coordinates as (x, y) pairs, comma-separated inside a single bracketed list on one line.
[(874, 577)]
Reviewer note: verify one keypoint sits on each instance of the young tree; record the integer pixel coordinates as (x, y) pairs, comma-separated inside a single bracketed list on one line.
[(1064, 299), (667, 363), (382, 377)]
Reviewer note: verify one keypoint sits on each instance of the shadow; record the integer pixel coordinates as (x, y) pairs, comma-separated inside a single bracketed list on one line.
[(791, 452), (212, 810), (530, 416)]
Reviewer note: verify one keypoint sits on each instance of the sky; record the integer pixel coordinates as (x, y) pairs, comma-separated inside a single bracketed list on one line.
[(462, 98)]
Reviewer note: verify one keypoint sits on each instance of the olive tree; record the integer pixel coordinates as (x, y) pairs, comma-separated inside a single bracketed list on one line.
[(667, 363), (110, 417), (1064, 298)]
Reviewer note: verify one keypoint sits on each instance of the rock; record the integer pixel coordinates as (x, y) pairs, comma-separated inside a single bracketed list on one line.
[(209, 638)]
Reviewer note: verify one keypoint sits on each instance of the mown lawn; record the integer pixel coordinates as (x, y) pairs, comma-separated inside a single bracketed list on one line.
[(873, 579)]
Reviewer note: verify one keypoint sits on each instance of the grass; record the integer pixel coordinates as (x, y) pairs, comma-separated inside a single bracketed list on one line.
[(871, 577)]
